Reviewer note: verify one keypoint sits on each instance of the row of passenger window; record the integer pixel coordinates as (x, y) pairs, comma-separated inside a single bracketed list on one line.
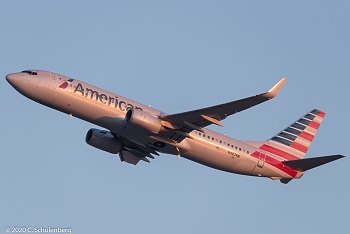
[(220, 141)]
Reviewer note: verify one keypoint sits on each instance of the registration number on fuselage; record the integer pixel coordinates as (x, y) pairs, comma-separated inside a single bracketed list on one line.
[(233, 154)]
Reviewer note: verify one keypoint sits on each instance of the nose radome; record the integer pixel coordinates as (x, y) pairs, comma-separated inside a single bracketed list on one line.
[(10, 78)]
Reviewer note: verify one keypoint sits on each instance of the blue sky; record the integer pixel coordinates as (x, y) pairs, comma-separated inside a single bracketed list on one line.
[(175, 56)]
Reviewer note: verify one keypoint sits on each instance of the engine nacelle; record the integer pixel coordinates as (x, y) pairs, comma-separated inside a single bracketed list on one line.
[(141, 119), (103, 140)]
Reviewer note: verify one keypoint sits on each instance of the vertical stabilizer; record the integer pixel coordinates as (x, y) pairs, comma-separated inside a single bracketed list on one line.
[(293, 142)]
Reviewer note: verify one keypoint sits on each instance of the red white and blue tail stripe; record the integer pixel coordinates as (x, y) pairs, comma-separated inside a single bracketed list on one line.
[(293, 142)]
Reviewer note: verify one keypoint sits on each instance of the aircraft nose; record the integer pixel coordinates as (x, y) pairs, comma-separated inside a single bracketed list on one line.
[(10, 78), (13, 79)]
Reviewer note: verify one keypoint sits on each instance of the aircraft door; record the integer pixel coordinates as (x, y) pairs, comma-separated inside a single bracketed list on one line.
[(53, 81), (261, 160)]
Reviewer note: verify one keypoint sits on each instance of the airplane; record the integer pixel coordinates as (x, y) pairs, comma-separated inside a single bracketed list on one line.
[(138, 132)]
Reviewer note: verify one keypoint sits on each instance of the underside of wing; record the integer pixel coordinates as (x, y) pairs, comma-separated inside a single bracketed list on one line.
[(132, 152), (185, 122)]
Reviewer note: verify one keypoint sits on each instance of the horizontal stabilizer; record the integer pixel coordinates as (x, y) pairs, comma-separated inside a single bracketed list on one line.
[(285, 180), (309, 163)]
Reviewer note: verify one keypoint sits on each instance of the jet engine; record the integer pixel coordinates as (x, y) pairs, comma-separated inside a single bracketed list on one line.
[(103, 140), (141, 119)]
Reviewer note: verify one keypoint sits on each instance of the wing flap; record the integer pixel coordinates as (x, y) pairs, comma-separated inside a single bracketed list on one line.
[(133, 152), (127, 157)]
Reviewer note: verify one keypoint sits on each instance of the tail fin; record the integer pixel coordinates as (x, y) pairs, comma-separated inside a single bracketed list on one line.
[(293, 142)]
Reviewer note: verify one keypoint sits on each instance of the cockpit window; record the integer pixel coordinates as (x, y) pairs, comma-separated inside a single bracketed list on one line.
[(30, 72)]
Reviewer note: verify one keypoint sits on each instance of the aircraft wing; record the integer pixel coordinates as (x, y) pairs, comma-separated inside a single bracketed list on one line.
[(186, 122)]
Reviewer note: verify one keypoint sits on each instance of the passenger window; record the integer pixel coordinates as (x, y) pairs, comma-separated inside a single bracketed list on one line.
[(236, 147), (239, 149), (212, 138), (247, 152), (209, 137), (232, 146), (220, 142), (224, 143), (228, 144), (203, 135)]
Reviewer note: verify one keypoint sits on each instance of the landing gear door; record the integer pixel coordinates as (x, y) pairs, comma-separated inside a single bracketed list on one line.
[(261, 160)]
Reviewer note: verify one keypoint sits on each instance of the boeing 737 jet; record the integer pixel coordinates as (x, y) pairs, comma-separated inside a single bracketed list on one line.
[(137, 132)]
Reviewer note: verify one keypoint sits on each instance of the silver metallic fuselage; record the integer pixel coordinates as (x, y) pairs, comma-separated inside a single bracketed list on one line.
[(108, 110)]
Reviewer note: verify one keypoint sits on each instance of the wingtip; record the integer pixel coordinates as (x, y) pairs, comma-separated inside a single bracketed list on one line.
[(275, 89)]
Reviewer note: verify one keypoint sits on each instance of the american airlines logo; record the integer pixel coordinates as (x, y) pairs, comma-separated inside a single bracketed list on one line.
[(103, 98)]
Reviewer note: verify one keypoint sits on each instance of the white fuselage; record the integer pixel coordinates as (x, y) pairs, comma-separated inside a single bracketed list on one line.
[(108, 110)]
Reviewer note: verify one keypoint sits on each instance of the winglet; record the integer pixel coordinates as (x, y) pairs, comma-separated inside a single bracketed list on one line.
[(275, 89)]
